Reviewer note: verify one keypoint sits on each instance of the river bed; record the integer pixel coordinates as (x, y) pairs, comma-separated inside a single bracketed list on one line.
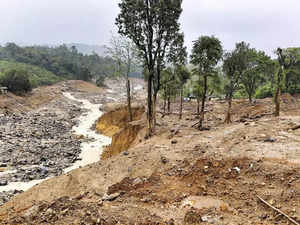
[(90, 150)]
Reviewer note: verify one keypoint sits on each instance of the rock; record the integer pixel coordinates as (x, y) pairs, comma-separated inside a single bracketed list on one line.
[(164, 160), (3, 182), (137, 181), (173, 142), (79, 137), (126, 153), (50, 212), (110, 197), (270, 139)]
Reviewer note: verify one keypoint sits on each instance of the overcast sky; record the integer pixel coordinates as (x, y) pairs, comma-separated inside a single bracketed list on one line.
[(265, 24)]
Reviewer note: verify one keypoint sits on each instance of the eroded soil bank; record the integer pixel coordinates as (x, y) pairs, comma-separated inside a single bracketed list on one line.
[(116, 124)]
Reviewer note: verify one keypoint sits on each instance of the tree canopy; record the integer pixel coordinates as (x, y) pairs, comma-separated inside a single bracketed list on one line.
[(152, 25)]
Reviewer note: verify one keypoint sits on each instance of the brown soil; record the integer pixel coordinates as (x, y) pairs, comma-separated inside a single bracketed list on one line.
[(182, 175), (115, 123), (117, 117)]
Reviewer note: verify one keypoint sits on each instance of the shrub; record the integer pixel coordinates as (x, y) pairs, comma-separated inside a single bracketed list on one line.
[(264, 91), (100, 81), (17, 81)]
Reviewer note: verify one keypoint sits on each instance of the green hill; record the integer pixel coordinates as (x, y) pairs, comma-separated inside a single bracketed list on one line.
[(38, 76)]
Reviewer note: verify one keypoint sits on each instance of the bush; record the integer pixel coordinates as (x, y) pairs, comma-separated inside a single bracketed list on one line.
[(100, 81), (17, 81), (240, 94), (265, 91), (37, 76)]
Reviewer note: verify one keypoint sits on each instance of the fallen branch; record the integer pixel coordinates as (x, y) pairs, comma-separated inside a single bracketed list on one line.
[(196, 124), (278, 211), (296, 127), (168, 113)]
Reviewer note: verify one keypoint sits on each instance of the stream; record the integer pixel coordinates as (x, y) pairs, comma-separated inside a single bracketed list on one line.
[(90, 151)]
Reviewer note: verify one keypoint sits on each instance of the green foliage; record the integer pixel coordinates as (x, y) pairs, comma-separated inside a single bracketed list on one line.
[(206, 53), (169, 83), (62, 61), (152, 26), (258, 63), (100, 82), (264, 91), (17, 81), (37, 76), (234, 65)]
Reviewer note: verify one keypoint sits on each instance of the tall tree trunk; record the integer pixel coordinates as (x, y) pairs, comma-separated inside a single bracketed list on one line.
[(277, 101), (278, 92), (203, 103), (228, 115), (154, 109), (181, 102), (250, 98), (198, 106), (165, 100), (287, 83), (128, 89), (150, 104), (129, 99), (169, 104)]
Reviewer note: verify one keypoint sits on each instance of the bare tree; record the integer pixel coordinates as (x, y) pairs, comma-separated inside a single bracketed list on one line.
[(125, 53)]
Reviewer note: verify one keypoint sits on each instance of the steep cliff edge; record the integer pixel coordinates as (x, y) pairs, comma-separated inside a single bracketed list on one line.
[(115, 123)]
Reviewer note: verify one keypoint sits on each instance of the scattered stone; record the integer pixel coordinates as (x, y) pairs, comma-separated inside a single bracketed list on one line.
[(126, 153), (79, 137), (137, 181), (270, 139), (173, 142), (238, 170), (3, 182), (110, 197), (193, 217), (164, 160)]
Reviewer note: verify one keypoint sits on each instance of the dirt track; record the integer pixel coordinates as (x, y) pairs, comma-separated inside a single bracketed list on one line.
[(183, 176)]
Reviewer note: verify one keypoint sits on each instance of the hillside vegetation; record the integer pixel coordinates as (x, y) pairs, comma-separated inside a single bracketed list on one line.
[(37, 75), (62, 61)]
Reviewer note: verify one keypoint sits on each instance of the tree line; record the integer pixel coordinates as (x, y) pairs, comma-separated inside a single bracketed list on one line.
[(63, 62), (153, 27)]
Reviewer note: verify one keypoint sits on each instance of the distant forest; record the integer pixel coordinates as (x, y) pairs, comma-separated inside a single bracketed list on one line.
[(64, 62)]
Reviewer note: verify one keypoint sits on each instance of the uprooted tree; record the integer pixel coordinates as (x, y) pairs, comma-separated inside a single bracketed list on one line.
[(206, 53), (152, 25)]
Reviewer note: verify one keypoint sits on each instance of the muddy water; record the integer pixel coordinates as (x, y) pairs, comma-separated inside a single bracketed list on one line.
[(90, 151)]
